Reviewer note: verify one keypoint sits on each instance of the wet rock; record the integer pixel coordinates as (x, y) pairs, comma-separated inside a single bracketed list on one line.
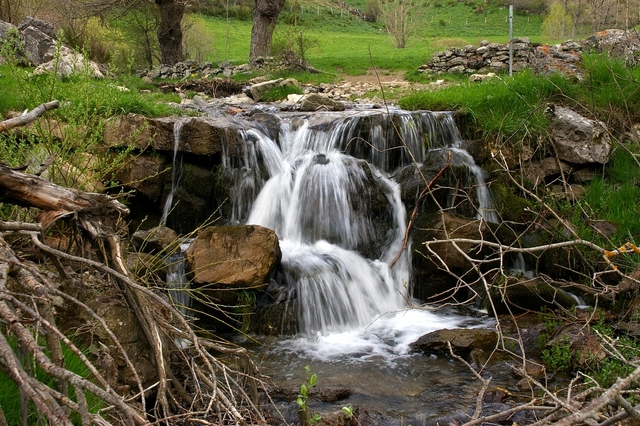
[(156, 240), (198, 135), (317, 102), (578, 139), (463, 341), (448, 226), (237, 257)]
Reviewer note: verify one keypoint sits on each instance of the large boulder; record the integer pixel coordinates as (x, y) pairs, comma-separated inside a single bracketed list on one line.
[(196, 135), (160, 240), (65, 62), (578, 139), (234, 256)]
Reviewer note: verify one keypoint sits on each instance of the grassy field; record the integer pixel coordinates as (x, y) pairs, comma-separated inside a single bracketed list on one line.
[(349, 45)]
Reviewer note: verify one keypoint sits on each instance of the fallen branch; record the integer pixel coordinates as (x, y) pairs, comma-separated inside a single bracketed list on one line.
[(27, 118)]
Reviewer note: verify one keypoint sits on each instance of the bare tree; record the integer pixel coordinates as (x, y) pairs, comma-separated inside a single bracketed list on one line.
[(265, 17), (401, 18)]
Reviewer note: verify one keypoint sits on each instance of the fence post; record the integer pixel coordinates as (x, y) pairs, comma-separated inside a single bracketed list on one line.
[(510, 40)]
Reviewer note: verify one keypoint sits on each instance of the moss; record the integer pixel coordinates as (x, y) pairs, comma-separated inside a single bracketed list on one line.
[(511, 207)]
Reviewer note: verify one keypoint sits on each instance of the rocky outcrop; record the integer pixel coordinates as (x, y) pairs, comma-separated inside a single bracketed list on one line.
[(617, 43), (235, 257), (144, 173), (197, 135), (37, 45), (577, 139)]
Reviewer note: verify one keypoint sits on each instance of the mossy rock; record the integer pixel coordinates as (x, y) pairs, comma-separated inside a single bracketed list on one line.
[(511, 207)]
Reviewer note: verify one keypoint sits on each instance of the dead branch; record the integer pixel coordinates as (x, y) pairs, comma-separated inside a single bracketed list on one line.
[(27, 118), (100, 215)]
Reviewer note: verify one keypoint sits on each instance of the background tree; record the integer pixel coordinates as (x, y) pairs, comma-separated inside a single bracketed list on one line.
[(557, 23), (265, 17), (401, 19)]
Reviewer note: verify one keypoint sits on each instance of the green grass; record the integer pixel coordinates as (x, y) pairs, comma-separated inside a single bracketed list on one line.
[(10, 396), (80, 96), (504, 106), (616, 198)]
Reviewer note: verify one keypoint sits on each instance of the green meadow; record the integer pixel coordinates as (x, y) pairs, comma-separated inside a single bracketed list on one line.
[(347, 44)]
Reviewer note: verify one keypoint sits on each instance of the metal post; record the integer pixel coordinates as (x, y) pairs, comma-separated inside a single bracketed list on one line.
[(510, 40)]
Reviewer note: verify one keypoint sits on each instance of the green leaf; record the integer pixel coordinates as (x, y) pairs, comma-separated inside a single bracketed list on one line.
[(304, 390), (312, 380), (348, 411)]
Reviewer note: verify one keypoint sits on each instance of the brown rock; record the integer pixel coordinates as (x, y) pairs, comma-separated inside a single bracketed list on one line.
[(239, 256), (143, 173), (463, 341)]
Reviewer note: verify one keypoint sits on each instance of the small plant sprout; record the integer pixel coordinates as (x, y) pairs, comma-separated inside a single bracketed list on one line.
[(304, 414)]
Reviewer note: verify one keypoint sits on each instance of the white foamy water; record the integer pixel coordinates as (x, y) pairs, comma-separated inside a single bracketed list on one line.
[(387, 338)]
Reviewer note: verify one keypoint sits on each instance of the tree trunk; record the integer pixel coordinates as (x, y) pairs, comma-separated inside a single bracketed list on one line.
[(170, 30), (265, 17)]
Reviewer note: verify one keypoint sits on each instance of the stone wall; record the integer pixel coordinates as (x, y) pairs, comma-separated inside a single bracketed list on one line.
[(492, 57), (541, 58)]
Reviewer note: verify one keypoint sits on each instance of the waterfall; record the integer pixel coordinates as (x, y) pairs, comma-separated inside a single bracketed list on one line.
[(338, 214), (176, 173)]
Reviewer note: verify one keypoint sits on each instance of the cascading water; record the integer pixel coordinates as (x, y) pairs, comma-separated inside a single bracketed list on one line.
[(341, 223), (177, 282), (176, 173)]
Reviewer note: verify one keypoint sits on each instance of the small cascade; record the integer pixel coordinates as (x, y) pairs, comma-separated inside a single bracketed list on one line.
[(176, 173), (177, 283), (486, 208)]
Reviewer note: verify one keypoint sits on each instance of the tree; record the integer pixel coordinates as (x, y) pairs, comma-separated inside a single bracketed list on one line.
[(170, 30), (557, 23), (265, 17), (400, 19)]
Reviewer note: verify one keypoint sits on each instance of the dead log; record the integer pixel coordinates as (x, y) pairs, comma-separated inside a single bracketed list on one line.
[(27, 118), (99, 214)]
